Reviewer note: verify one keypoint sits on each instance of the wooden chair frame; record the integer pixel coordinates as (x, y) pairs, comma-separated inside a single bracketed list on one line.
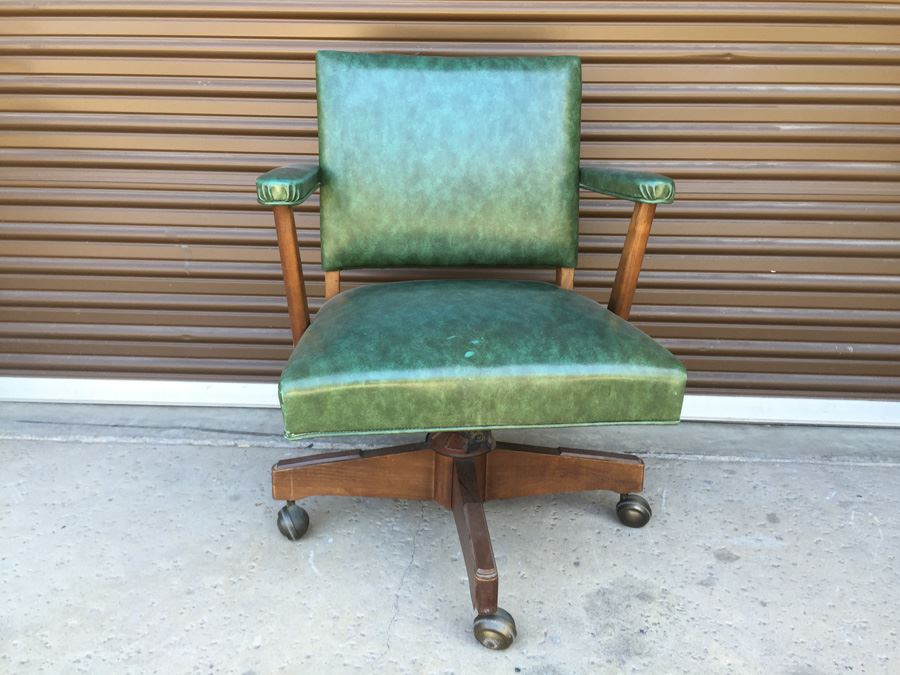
[(462, 470)]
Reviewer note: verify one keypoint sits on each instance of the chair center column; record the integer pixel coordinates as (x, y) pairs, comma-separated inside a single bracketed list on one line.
[(459, 444)]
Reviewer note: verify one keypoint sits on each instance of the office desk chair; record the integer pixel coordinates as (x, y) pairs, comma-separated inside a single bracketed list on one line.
[(460, 162)]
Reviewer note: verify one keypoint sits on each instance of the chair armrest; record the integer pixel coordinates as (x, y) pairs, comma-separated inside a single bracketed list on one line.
[(287, 186), (281, 189), (635, 186)]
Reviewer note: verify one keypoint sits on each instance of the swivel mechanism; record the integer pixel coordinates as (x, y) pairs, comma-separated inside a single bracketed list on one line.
[(460, 471)]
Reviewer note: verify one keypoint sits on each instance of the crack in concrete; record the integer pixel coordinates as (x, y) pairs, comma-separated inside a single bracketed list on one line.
[(738, 459), (114, 425), (412, 557)]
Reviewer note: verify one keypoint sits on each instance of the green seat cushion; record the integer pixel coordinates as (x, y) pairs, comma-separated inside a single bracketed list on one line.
[(469, 354)]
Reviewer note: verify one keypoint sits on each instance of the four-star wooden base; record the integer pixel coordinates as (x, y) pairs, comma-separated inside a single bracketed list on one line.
[(461, 471)]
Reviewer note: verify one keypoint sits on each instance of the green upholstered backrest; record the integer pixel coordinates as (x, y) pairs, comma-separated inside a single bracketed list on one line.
[(448, 161)]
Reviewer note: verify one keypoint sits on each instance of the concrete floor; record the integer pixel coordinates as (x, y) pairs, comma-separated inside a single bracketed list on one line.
[(142, 540)]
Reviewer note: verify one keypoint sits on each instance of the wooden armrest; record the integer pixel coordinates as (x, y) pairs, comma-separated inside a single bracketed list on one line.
[(282, 189), (646, 190)]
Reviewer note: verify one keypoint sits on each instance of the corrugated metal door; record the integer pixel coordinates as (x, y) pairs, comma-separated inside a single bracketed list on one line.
[(131, 133)]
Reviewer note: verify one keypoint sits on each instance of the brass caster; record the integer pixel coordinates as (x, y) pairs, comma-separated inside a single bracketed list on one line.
[(633, 510), (293, 521), (495, 631)]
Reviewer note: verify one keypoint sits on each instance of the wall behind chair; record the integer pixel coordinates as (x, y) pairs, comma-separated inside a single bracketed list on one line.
[(131, 134)]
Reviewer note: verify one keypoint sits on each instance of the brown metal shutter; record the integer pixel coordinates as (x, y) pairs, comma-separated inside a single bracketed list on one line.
[(131, 134)]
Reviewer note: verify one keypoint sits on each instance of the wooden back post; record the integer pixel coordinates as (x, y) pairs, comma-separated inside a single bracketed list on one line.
[(565, 277), (332, 284)]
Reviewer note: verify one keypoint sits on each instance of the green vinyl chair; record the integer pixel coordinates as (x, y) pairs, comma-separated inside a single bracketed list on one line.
[(465, 163)]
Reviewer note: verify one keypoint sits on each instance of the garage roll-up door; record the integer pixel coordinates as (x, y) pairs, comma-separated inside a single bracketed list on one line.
[(131, 133)]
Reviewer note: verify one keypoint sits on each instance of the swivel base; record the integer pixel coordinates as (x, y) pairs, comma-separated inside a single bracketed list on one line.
[(460, 471)]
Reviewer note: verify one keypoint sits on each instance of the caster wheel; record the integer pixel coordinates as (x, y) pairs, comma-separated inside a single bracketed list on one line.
[(495, 631), (293, 521), (633, 510)]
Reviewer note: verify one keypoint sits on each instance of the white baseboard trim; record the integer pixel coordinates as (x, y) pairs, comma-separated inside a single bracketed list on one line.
[(697, 407), (139, 392), (791, 410)]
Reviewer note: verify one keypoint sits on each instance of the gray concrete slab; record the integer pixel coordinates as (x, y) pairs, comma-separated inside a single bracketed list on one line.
[(142, 540)]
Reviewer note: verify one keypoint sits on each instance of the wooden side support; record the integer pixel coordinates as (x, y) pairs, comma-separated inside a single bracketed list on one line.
[(286, 230), (474, 537), (630, 262)]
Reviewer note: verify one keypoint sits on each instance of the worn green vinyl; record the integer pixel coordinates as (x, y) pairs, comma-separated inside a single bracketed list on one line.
[(468, 354), (287, 185), (636, 186), (436, 161)]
